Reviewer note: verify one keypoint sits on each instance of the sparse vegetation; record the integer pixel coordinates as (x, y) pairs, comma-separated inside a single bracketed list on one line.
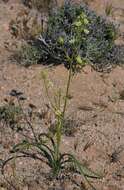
[(27, 25), (39, 4), (27, 55), (10, 114)]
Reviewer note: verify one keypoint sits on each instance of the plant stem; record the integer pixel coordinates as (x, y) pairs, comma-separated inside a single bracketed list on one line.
[(67, 91), (58, 136), (61, 118)]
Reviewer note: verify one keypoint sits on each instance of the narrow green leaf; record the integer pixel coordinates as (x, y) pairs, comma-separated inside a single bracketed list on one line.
[(85, 171)]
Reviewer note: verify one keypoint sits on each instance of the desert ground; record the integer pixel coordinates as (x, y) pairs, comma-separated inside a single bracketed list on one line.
[(97, 103)]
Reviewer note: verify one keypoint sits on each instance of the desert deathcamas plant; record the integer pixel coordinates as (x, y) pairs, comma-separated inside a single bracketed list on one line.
[(47, 147)]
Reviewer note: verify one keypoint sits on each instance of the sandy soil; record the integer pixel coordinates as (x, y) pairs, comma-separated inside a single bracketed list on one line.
[(96, 102)]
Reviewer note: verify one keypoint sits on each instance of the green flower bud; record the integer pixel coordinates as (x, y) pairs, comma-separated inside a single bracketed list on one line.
[(86, 21), (86, 31), (61, 40), (77, 23), (79, 60)]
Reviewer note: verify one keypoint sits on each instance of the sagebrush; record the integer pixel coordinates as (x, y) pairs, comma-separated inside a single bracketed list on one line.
[(97, 41)]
